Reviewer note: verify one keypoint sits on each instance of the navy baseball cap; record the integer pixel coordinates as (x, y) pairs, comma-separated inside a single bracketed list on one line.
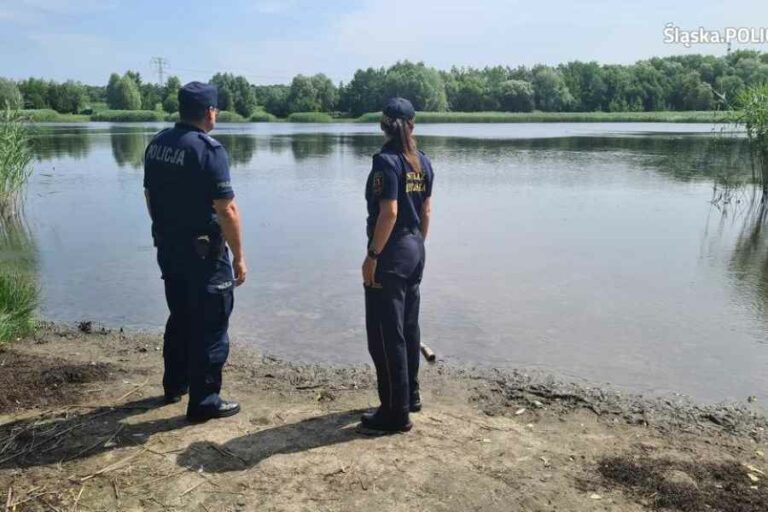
[(399, 108), (198, 95)]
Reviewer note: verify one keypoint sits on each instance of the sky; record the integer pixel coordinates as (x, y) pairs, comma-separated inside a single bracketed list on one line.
[(270, 41)]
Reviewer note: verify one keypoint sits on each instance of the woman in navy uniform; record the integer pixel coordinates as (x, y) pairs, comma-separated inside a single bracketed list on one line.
[(398, 193)]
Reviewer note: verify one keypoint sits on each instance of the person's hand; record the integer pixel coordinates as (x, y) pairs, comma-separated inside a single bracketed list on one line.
[(369, 273), (238, 265)]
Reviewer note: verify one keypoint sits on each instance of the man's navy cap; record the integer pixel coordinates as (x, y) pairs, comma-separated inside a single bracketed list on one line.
[(399, 108), (198, 95)]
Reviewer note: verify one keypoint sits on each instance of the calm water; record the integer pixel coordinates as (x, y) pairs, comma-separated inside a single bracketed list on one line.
[(590, 250)]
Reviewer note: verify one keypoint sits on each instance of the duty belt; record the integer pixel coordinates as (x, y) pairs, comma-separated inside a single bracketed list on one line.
[(399, 231)]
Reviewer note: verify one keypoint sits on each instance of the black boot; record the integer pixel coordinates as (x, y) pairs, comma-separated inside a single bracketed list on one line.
[(415, 402), (383, 421)]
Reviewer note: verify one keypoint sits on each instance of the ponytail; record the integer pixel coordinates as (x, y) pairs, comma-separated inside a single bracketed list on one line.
[(401, 133)]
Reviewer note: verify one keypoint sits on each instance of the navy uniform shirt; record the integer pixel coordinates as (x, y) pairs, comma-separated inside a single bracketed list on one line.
[(185, 170), (392, 178)]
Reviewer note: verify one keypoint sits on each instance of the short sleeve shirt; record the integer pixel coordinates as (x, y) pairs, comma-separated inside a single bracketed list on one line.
[(391, 178), (185, 170)]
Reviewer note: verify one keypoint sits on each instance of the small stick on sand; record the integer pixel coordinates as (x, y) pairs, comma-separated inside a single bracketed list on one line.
[(77, 500), (198, 484), (133, 391), (112, 467)]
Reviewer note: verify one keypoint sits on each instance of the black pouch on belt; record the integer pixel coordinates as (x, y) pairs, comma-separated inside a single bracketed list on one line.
[(202, 245)]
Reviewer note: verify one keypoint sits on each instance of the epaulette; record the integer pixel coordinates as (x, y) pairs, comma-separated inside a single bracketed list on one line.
[(160, 133), (212, 143)]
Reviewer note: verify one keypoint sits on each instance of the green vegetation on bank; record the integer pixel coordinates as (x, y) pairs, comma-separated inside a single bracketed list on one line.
[(15, 158), (128, 116), (51, 116), (310, 117), (753, 108), (565, 117), (659, 84), (119, 116), (18, 288), (263, 117)]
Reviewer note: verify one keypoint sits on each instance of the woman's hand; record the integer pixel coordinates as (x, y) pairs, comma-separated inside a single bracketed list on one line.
[(369, 273)]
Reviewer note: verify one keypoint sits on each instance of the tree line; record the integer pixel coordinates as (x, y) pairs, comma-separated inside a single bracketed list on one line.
[(678, 83)]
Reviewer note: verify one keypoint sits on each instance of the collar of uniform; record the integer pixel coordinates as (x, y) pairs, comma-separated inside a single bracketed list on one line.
[(390, 146), (187, 126)]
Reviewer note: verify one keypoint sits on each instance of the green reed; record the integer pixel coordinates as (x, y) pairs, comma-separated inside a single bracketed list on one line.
[(753, 114)]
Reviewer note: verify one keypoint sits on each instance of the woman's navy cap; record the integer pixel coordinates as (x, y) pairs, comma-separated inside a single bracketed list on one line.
[(198, 95), (399, 108)]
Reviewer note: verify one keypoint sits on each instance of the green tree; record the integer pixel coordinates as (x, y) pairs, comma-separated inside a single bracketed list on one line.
[(151, 95), (312, 94), (113, 101), (697, 95), (10, 96), (586, 84), (235, 93), (552, 95), (516, 96), (364, 93), (422, 85), (127, 94), (67, 98), (171, 95), (274, 98), (35, 93), (729, 88)]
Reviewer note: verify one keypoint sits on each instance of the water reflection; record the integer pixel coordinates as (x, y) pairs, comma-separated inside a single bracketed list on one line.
[(749, 262), (128, 145), (681, 156), (74, 142)]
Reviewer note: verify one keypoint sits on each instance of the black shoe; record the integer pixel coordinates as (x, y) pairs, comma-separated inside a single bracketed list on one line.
[(225, 409), (173, 398), (381, 422), (415, 402)]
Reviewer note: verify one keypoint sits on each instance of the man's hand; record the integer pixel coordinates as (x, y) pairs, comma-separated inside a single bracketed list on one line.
[(369, 273), (238, 265)]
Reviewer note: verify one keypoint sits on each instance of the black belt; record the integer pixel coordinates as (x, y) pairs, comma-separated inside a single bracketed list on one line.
[(399, 231)]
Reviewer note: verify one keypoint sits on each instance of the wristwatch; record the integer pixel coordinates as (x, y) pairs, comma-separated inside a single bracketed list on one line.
[(372, 253)]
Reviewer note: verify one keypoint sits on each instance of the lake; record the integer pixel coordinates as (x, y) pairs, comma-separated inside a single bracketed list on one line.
[(589, 250)]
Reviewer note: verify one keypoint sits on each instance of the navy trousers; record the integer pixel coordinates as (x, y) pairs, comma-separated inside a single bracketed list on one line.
[(392, 320), (200, 296)]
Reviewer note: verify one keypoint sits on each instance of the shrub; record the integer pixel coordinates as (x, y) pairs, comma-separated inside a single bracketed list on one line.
[(230, 117), (263, 117), (310, 117)]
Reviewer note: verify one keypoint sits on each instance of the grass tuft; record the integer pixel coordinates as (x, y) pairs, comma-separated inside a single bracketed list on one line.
[(128, 116)]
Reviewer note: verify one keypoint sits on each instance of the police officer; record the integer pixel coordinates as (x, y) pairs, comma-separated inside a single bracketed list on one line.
[(398, 193), (195, 224)]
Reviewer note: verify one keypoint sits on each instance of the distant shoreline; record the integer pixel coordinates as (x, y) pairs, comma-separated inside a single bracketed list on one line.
[(133, 116)]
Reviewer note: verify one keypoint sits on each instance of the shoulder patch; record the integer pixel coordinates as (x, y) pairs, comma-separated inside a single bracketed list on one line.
[(212, 143)]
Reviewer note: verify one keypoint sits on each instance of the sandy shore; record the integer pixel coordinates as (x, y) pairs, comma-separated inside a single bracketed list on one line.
[(81, 429)]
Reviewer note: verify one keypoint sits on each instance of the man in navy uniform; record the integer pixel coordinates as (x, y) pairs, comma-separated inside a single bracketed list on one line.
[(195, 225)]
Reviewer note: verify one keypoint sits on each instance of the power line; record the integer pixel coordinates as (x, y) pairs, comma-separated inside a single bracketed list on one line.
[(160, 63)]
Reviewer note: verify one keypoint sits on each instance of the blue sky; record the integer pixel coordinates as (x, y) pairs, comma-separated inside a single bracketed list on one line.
[(270, 41)]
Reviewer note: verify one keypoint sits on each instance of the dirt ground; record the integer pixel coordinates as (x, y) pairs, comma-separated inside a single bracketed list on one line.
[(84, 430)]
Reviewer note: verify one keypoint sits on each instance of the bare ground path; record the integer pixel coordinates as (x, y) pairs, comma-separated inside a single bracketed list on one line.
[(81, 429)]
